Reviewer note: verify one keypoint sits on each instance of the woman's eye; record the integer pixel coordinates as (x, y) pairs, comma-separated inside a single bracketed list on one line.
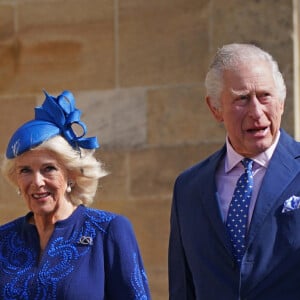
[(50, 168), (24, 170)]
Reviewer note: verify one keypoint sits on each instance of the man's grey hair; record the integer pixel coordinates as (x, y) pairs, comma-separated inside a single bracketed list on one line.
[(228, 58)]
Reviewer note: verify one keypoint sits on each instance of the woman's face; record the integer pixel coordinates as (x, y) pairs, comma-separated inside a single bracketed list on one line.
[(42, 181)]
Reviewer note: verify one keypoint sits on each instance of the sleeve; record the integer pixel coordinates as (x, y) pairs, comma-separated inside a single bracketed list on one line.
[(180, 280), (126, 278)]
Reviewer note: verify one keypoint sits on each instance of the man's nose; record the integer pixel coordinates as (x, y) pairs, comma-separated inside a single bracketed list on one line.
[(255, 108)]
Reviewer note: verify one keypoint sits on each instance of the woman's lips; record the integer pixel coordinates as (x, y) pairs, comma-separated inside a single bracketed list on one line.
[(40, 195)]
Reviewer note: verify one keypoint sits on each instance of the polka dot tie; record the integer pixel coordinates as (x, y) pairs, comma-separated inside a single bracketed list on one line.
[(237, 217)]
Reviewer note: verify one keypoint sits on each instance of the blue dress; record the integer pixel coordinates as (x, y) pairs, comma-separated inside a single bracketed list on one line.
[(91, 255)]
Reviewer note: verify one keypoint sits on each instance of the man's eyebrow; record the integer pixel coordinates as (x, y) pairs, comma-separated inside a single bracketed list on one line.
[(239, 92)]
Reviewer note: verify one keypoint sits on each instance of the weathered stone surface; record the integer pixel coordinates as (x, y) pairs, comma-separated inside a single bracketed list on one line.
[(158, 280), (15, 110), (153, 171), (114, 186), (117, 117), (11, 204), (162, 42), (7, 28), (65, 45), (180, 115), (8, 47)]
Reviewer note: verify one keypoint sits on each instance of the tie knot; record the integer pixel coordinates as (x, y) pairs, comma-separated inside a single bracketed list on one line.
[(247, 163)]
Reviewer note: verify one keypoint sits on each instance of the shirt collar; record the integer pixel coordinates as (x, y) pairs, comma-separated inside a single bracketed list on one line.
[(232, 158)]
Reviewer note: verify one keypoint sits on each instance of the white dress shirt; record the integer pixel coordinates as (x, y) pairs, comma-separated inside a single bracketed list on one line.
[(231, 168)]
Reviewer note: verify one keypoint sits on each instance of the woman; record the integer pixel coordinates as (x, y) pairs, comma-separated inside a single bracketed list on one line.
[(62, 249)]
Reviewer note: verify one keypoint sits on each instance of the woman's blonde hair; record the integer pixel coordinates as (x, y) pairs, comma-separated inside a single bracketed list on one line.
[(81, 165)]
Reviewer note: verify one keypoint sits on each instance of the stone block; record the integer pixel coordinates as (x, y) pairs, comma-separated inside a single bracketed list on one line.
[(7, 48), (7, 23), (255, 22), (8, 69), (114, 186), (69, 45), (162, 42), (12, 205), (117, 117), (15, 110), (153, 171), (180, 115), (158, 281)]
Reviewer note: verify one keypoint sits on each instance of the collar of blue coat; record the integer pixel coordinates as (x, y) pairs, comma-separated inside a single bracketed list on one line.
[(55, 116)]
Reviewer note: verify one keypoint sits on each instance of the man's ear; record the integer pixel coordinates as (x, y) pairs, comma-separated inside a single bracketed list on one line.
[(216, 111)]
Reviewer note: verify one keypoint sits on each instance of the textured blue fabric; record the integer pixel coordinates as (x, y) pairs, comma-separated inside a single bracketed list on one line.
[(237, 218), (55, 117), (200, 254), (91, 255)]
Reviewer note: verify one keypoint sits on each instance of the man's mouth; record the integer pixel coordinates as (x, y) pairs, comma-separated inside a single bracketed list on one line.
[(258, 130)]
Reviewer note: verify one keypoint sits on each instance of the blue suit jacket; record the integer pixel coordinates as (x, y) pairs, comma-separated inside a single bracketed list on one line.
[(201, 265)]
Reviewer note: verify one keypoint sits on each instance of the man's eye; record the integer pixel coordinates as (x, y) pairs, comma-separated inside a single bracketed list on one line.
[(243, 97), (265, 97)]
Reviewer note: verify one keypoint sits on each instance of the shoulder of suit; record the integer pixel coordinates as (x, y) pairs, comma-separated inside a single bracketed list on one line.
[(288, 144)]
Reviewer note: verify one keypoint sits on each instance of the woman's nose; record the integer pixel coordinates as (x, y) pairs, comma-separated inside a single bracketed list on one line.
[(38, 179)]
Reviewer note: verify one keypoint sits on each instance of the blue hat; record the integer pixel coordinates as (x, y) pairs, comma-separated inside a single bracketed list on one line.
[(55, 117)]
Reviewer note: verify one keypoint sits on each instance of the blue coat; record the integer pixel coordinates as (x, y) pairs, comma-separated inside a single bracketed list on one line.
[(201, 265), (92, 255)]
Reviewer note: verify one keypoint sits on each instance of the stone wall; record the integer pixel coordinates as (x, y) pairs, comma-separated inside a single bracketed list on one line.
[(136, 68)]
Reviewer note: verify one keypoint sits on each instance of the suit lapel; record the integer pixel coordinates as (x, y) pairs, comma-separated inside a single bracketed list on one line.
[(281, 171), (210, 200)]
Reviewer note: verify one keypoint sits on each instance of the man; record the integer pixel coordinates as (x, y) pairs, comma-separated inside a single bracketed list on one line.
[(230, 246)]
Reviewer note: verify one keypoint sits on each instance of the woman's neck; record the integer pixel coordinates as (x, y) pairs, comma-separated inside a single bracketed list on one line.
[(45, 223)]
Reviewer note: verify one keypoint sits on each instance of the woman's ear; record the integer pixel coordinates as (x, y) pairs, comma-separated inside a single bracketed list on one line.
[(216, 111)]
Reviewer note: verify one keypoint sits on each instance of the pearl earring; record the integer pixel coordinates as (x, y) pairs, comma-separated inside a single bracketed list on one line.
[(69, 187)]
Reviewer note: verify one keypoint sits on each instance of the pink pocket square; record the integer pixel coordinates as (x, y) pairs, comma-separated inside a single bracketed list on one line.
[(291, 203)]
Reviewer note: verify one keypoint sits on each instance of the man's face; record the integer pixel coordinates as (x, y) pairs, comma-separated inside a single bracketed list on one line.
[(250, 108)]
